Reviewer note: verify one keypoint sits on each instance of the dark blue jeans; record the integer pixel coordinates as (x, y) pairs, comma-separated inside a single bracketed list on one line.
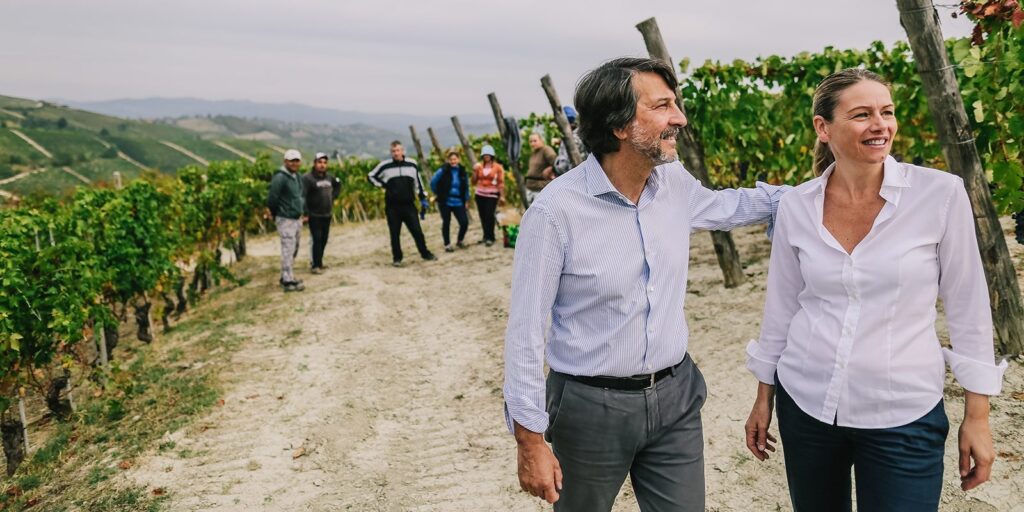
[(897, 469)]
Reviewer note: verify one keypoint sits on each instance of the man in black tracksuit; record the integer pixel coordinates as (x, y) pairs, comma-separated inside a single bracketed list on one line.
[(320, 190), (400, 178)]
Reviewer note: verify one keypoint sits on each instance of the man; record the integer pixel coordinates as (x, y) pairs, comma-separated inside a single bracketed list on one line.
[(603, 253), (541, 168), (320, 189), (286, 205), (400, 178), (562, 161)]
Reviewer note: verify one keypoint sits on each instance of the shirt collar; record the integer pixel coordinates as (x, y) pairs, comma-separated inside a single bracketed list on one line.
[(893, 179), (599, 184)]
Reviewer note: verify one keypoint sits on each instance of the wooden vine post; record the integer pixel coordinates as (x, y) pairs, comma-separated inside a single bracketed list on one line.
[(921, 22), (568, 138), (470, 155), (419, 154), (437, 145), (499, 118), (692, 153)]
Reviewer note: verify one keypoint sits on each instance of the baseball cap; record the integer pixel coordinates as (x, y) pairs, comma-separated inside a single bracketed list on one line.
[(292, 154), (570, 113), (320, 155)]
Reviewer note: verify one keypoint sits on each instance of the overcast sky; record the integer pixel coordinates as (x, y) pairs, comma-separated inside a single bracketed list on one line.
[(422, 57)]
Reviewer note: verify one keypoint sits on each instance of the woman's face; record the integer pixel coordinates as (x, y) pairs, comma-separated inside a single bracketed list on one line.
[(863, 124), (453, 160), (487, 159)]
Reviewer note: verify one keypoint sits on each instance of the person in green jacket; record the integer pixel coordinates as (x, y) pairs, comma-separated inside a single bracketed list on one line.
[(285, 202)]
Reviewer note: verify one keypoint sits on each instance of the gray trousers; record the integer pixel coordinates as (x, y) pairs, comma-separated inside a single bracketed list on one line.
[(654, 435), (290, 231)]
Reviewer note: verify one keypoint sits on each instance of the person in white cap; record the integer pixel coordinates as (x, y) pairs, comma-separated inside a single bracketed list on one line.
[(286, 204), (320, 189), (489, 180)]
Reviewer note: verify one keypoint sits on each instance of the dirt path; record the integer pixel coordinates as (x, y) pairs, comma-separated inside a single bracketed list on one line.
[(235, 150), (379, 389), (28, 140), (185, 152)]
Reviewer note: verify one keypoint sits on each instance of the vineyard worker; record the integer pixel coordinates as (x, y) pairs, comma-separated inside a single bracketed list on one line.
[(489, 180), (320, 189), (400, 179), (541, 168), (603, 253), (848, 345), (562, 161), (286, 204), (451, 187)]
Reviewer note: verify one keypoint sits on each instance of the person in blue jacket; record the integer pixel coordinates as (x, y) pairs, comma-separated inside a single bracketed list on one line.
[(451, 187)]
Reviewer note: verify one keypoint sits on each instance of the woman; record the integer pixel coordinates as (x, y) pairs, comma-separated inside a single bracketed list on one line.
[(848, 342), (489, 180), (451, 188)]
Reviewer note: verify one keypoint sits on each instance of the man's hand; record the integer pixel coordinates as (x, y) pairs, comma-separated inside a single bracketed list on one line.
[(759, 440), (539, 471), (975, 442), (305, 219)]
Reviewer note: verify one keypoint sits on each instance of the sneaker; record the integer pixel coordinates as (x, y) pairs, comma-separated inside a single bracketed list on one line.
[(294, 286), (429, 257), (449, 248), (460, 245), (317, 270), (396, 263), (488, 243)]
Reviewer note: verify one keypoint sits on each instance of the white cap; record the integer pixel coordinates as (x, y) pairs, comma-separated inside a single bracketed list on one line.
[(292, 154)]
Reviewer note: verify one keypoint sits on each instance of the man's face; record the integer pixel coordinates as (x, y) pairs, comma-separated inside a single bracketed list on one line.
[(453, 160), (535, 141), (398, 152), (658, 120), (320, 166), (293, 165)]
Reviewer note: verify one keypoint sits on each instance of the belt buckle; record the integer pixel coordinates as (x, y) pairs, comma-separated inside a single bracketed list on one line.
[(651, 385)]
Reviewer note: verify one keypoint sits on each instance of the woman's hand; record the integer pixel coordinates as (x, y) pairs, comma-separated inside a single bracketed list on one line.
[(759, 440), (975, 442)]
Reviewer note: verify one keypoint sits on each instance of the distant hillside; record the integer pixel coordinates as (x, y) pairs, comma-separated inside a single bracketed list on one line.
[(156, 108), (356, 140), (50, 149)]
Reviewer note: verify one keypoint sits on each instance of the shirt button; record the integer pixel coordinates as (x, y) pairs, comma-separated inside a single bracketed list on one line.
[(650, 331), (650, 289)]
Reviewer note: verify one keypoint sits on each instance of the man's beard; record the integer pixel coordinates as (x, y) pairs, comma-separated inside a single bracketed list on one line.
[(649, 146)]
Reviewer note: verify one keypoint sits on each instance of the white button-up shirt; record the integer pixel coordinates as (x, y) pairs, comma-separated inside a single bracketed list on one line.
[(852, 336), (610, 275)]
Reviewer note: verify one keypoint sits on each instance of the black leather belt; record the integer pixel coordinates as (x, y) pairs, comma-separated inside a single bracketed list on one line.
[(634, 383)]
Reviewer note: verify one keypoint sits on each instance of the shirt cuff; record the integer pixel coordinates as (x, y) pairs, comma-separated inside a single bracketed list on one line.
[(975, 376), (763, 369), (530, 419)]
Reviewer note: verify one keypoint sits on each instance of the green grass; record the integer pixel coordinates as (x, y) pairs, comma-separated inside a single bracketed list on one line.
[(102, 169), (12, 146), (74, 145), (205, 149), (52, 182), (151, 153)]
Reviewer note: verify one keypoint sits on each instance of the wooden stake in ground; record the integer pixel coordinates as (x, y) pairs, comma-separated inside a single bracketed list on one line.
[(117, 180), (101, 336), (563, 122), (470, 155), (24, 422), (437, 145), (692, 152), (513, 166), (499, 118), (921, 22), (419, 154)]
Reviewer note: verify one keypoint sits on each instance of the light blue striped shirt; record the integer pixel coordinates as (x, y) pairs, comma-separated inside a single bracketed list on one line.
[(610, 275)]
